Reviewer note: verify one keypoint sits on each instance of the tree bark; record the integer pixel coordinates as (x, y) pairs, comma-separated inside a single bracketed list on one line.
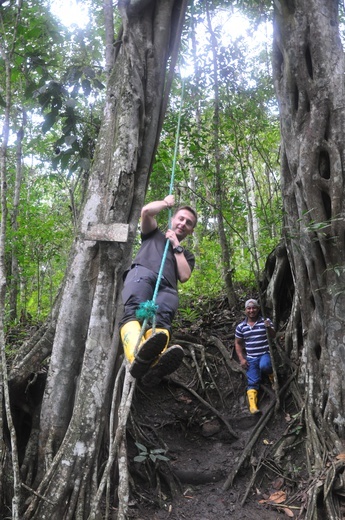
[(227, 271), (309, 81), (85, 346), (13, 294), (5, 407)]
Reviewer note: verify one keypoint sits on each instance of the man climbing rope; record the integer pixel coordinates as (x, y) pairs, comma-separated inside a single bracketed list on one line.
[(251, 335), (148, 352)]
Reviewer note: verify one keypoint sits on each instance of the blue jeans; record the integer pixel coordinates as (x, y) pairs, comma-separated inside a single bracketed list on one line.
[(258, 366)]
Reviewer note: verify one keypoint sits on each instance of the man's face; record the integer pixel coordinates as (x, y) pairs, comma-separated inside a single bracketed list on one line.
[(183, 223), (252, 311)]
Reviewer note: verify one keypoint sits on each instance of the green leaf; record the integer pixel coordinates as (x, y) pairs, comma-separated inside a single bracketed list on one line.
[(141, 447), (30, 89), (162, 457), (69, 139), (140, 458), (34, 33), (71, 103), (97, 84), (65, 158), (89, 72), (158, 450), (86, 87), (49, 120)]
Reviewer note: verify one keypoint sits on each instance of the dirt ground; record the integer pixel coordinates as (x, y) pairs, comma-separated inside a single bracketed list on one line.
[(198, 418)]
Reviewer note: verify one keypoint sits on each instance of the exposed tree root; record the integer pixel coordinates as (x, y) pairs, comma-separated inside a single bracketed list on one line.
[(262, 423), (117, 446)]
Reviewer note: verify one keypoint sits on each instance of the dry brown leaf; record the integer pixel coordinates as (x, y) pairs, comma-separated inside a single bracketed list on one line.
[(278, 497), (275, 498), (184, 399), (288, 512), (340, 456)]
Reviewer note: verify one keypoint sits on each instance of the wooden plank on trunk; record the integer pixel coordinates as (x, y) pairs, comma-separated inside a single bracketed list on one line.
[(107, 233)]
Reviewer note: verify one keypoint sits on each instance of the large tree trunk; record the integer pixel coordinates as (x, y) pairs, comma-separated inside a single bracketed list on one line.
[(309, 82), (65, 444)]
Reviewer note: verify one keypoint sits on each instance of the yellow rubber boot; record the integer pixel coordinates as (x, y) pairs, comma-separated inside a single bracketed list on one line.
[(252, 395), (148, 334), (130, 334)]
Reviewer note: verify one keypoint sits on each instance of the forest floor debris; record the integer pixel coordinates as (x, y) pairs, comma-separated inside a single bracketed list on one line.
[(199, 419)]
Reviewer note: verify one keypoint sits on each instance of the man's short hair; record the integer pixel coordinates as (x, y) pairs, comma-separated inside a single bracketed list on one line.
[(188, 208), (252, 302)]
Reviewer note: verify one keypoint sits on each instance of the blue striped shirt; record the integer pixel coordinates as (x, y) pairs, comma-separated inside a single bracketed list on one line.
[(254, 337)]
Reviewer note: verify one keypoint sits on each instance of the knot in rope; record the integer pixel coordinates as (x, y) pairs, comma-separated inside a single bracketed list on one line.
[(146, 310)]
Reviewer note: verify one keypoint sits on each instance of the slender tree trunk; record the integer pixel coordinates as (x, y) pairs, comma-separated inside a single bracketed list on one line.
[(14, 286), (3, 204), (309, 81), (253, 224), (13, 470), (224, 244)]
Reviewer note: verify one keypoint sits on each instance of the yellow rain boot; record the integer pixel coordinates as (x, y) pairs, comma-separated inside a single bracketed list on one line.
[(130, 334), (168, 362), (148, 334), (252, 395), (141, 352)]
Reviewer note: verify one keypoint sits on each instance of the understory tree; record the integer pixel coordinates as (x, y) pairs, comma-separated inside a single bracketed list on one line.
[(309, 81)]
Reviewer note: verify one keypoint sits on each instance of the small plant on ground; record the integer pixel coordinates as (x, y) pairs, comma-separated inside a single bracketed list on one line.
[(145, 454)]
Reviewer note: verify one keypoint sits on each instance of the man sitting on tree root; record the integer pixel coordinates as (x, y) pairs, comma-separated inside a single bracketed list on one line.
[(251, 335), (148, 353)]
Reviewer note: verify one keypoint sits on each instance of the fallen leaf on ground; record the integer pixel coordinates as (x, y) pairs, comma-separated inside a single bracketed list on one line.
[(288, 512), (340, 456), (275, 498)]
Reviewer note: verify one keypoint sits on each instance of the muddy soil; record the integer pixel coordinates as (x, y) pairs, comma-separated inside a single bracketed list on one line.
[(198, 419)]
